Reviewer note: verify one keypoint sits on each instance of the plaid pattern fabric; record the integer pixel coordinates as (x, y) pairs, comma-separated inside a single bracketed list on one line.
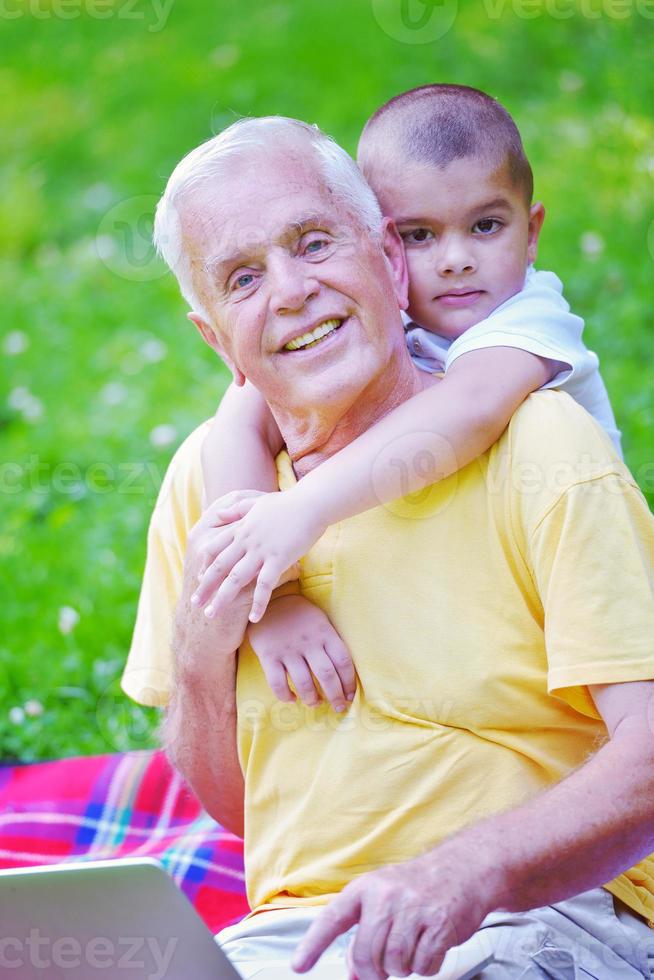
[(128, 805)]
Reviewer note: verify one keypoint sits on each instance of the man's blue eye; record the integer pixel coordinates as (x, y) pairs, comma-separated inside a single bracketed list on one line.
[(245, 280), (316, 245)]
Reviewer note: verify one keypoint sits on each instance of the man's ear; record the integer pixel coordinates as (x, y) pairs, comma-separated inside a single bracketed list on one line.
[(393, 247), (209, 336), (536, 219)]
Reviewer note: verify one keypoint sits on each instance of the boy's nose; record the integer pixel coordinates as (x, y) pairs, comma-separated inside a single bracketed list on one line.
[(455, 259)]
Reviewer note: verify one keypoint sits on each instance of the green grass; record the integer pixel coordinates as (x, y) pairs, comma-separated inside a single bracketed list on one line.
[(94, 115)]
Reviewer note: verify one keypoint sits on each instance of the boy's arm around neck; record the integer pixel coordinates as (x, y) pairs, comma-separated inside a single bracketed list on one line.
[(240, 448), (429, 437), (423, 440)]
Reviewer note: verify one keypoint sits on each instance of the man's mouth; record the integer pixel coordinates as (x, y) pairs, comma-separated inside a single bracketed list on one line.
[(315, 336), (457, 298)]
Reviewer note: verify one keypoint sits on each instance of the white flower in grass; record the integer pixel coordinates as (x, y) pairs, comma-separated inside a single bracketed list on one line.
[(33, 708), (105, 247), (15, 343), (107, 557), (592, 244), (569, 81), (153, 350), (98, 197), (22, 400), (114, 393), (16, 715), (225, 56), (163, 435), (68, 619)]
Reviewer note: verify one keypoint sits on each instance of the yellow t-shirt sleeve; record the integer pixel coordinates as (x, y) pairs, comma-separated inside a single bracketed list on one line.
[(587, 539), (147, 677), (592, 557)]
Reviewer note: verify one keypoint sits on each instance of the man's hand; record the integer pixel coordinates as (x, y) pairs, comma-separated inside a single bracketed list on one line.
[(296, 640), (258, 537), (200, 641), (407, 916)]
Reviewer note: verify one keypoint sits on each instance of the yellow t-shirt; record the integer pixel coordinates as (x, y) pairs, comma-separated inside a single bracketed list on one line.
[(476, 612)]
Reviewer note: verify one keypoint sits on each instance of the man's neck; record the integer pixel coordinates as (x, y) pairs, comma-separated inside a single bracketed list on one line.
[(322, 431)]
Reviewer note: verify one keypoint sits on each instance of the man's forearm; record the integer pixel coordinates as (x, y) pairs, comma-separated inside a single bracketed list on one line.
[(580, 834), (200, 738), (200, 726)]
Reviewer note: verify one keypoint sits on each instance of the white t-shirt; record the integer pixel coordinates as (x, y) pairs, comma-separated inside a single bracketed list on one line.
[(538, 320)]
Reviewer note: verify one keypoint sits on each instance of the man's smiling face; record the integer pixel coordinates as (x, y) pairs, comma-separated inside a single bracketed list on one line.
[(302, 299)]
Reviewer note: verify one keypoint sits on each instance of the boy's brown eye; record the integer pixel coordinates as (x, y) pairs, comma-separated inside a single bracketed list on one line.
[(417, 235), (487, 225)]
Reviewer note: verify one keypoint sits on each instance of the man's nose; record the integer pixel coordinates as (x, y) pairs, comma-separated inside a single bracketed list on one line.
[(455, 257), (292, 284)]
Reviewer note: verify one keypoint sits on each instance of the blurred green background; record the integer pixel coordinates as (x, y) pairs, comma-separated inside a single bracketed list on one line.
[(102, 374)]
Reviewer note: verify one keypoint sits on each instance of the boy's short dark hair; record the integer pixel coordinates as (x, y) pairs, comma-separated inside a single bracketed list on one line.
[(437, 124)]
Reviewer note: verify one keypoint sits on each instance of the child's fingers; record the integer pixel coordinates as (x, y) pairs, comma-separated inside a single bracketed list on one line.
[(277, 679), (243, 572), (238, 500), (266, 581), (343, 664), (323, 669), (227, 515), (214, 575), (303, 682), (214, 544)]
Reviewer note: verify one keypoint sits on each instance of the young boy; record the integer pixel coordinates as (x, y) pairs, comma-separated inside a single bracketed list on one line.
[(447, 165)]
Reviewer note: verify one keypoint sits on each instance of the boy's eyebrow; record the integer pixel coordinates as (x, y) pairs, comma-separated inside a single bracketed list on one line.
[(291, 231), (496, 203)]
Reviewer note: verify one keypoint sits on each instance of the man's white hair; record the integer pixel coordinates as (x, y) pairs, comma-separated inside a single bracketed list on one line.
[(211, 159)]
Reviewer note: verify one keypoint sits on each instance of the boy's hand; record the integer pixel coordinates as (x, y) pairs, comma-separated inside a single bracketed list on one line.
[(296, 640), (259, 536)]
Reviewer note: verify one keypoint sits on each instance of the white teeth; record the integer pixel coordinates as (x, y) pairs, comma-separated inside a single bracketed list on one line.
[(314, 336)]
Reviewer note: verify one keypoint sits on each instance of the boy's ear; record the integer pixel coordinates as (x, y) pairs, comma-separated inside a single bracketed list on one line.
[(536, 219), (208, 334), (393, 247)]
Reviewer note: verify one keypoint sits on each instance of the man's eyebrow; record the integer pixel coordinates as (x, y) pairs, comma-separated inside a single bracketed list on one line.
[(298, 227), (215, 263), (292, 230)]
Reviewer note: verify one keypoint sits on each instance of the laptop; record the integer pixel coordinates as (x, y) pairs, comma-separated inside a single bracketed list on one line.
[(127, 918)]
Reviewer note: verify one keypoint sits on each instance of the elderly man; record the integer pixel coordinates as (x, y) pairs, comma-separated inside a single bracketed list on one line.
[(496, 767)]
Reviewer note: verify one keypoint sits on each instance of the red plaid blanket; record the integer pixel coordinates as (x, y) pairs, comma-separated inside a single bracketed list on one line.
[(128, 805)]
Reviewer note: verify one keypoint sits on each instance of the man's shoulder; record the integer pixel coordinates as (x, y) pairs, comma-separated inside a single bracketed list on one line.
[(553, 435), (550, 421), (181, 489)]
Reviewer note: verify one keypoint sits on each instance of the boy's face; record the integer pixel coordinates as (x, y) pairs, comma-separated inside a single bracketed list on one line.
[(469, 236)]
